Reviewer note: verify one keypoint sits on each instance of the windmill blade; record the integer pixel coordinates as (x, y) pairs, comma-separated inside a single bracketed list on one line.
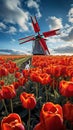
[(26, 39), (44, 46), (35, 24), (51, 33)]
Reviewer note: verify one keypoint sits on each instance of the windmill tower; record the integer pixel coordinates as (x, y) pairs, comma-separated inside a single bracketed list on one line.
[(39, 44)]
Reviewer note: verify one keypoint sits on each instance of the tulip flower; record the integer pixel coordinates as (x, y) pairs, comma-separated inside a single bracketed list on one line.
[(11, 70), (17, 74), (13, 64), (12, 122), (25, 73), (2, 99), (28, 100), (3, 71), (42, 78), (51, 117), (72, 79), (34, 76), (22, 81), (68, 111), (8, 91), (1, 82), (66, 88), (16, 85)]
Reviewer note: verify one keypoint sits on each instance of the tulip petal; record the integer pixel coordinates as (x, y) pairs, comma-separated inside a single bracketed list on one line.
[(12, 122), (39, 127), (6, 126), (19, 126), (54, 123)]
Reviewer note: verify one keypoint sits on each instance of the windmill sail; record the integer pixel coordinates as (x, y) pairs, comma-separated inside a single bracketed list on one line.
[(26, 39), (51, 33), (35, 24)]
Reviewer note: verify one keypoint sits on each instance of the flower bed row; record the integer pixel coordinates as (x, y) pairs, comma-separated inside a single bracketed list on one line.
[(4, 58)]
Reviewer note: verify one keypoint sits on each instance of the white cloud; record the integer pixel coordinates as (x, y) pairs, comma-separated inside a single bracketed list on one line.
[(54, 22), (13, 51), (66, 30), (34, 4), (70, 15), (53, 39), (61, 49), (67, 26), (12, 30), (11, 12), (67, 34), (2, 25), (64, 49)]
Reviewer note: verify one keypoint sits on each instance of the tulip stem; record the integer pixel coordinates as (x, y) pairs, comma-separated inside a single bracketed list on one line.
[(11, 105), (36, 90), (29, 119), (53, 83), (5, 106), (46, 93)]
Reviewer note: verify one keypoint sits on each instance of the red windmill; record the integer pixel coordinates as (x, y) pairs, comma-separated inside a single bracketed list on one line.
[(39, 46)]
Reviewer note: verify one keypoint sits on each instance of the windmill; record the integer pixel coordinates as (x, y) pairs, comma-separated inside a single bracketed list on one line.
[(39, 45)]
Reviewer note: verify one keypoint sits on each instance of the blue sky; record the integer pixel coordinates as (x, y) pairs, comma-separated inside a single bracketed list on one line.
[(15, 23)]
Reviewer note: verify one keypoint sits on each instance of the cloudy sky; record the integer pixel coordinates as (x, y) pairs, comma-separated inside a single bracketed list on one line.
[(15, 23)]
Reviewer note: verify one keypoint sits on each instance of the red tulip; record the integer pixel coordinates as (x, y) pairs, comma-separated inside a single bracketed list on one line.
[(25, 73), (68, 111), (58, 70), (16, 85), (22, 81), (51, 117), (8, 91), (34, 76), (12, 122), (72, 79), (66, 88), (3, 72), (11, 70), (1, 82), (17, 74), (55, 71), (28, 100), (17, 68), (1, 60), (44, 78), (13, 64)]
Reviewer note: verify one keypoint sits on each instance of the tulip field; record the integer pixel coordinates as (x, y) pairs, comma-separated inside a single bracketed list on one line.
[(37, 98)]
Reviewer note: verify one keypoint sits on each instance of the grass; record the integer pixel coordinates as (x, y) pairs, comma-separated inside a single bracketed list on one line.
[(20, 61)]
